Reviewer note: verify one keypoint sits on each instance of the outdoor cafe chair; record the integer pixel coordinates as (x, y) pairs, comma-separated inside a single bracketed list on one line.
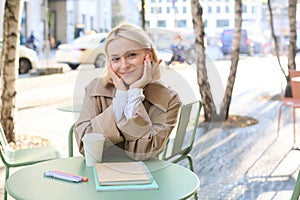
[(24, 157), (182, 139), (70, 141), (293, 101)]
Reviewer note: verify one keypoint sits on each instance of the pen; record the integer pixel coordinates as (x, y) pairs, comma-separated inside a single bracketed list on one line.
[(62, 176), (83, 179)]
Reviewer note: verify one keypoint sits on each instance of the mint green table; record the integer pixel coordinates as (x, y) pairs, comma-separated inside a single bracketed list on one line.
[(175, 182), (70, 108)]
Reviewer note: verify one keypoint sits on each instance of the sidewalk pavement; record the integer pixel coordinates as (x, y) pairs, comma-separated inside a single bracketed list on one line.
[(246, 163), (249, 163)]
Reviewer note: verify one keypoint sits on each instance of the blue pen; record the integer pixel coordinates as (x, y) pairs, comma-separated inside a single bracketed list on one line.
[(53, 174)]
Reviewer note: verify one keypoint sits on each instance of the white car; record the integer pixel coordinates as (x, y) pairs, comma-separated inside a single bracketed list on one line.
[(28, 58), (88, 49)]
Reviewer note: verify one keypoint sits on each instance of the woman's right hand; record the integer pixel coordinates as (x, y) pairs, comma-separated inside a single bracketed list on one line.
[(117, 81)]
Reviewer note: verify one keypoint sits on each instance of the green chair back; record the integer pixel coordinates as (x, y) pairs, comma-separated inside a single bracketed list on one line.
[(24, 157), (296, 192), (3, 145), (181, 143), (70, 141), (182, 138)]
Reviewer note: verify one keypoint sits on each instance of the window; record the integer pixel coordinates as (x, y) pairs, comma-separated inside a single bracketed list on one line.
[(161, 23), (92, 22), (222, 23), (168, 9), (218, 9), (253, 10), (209, 9), (180, 23), (244, 8), (183, 9), (159, 10), (176, 9), (152, 10), (226, 9), (83, 18)]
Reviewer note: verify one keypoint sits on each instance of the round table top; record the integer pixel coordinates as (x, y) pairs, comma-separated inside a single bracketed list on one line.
[(75, 108), (175, 182)]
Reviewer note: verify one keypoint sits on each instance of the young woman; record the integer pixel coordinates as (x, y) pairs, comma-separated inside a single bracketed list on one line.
[(128, 104)]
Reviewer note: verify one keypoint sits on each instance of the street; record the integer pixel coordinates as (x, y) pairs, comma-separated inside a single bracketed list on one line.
[(243, 163)]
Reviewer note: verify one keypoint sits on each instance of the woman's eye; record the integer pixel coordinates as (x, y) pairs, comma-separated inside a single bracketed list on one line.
[(116, 59), (131, 55)]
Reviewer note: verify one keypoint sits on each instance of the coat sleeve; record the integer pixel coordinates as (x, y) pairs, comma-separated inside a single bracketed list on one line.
[(93, 120), (146, 133)]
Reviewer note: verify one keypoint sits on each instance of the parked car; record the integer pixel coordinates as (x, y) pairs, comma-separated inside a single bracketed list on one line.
[(28, 58), (256, 44), (226, 42), (87, 49)]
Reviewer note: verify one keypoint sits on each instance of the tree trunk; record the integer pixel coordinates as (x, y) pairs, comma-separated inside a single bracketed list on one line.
[(293, 34), (235, 52), (143, 14), (204, 86), (288, 87), (9, 69), (292, 45)]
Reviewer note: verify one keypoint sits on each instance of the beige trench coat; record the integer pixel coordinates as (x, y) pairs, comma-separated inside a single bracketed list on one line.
[(142, 136)]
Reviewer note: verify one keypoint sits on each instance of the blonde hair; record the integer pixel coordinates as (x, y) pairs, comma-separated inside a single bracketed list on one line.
[(135, 34)]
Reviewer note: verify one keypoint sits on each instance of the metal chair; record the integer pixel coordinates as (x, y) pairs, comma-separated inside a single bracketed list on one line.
[(181, 143), (296, 192), (293, 101), (70, 140), (23, 157)]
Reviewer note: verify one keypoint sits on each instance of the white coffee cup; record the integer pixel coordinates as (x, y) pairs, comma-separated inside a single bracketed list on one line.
[(93, 144)]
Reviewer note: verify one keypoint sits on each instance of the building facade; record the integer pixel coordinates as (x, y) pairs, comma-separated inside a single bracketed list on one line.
[(217, 14), (68, 19), (65, 19)]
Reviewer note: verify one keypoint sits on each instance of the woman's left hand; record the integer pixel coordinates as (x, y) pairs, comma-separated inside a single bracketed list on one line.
[(149, 72)]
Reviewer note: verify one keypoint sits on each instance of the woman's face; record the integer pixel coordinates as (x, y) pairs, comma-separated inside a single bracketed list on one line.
[(126, 59)]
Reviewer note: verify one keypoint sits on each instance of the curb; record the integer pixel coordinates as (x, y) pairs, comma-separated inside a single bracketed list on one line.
[(46, 71)]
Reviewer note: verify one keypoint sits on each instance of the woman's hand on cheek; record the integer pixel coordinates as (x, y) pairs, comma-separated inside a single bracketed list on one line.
[(117, 81), (149, 72)]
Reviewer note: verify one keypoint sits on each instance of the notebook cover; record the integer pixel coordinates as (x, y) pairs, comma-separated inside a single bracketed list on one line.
[(150, 186), (121, 173)]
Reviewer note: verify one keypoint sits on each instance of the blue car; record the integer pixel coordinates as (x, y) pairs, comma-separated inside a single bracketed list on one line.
[(226, 39)]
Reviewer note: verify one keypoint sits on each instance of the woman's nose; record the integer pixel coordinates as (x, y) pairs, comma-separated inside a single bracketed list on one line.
[(124, 62)]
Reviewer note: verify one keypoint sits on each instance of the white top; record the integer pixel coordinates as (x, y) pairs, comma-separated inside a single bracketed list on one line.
[(125, 102)]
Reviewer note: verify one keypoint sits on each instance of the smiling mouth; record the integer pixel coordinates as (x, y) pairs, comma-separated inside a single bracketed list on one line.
[(127, 73)]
